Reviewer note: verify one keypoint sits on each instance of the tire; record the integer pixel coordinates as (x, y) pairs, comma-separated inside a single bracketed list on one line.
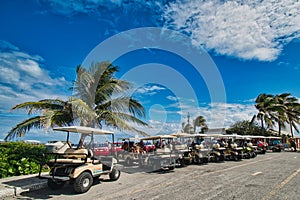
[(197, 160), (171, 168), (114, 174), (83, 182), (55, 185), (188, 160), (234, 157), (247, 156), (181, 162), (215, 158), (156, 166), (128, 161)]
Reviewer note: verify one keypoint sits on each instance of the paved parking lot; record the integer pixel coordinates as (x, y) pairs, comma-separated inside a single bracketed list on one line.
[(271, 176)]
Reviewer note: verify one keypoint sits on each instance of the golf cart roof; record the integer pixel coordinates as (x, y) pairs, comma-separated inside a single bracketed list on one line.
[(273, 137), (83, 130), (215, 135), (128, 138), (155, 137), (255, 136), (179, 134)]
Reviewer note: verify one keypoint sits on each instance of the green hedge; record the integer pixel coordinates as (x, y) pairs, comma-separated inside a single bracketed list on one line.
[(18, 158)]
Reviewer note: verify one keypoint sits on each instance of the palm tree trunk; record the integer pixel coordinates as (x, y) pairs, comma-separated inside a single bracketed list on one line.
[(291, 129), (279, 128), (262, 127)]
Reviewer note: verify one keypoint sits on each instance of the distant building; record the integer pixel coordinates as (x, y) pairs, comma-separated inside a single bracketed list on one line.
[(216, 131)]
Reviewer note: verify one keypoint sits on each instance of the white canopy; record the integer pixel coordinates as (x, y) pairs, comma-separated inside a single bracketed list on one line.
[(180, 134), (83, 130), (155, 137)]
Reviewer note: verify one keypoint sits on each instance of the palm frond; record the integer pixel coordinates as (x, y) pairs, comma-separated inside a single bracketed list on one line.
[(20, 129)]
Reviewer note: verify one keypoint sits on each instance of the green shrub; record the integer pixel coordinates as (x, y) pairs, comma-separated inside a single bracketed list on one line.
[(18, 158)]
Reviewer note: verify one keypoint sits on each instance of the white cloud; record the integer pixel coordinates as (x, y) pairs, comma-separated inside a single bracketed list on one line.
[(23, 78), (234, 113), (149, 89), (248, 29), (172, 98)]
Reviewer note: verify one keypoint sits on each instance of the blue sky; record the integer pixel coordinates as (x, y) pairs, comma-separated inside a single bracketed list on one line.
[(245, 47)]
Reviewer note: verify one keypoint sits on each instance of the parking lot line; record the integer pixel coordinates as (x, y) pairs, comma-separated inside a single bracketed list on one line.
[(281, 185), (197, 176), (256, 173)]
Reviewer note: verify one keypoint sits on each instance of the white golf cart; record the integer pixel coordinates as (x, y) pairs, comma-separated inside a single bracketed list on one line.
[(78, 166), (163, 157)]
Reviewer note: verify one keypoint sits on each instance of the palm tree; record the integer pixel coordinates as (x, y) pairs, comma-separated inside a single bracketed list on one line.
[(279, 110), (287, 108), (107, 96), (264, 105), (293, 113), (282, 109), (99, 98), (200, 122)]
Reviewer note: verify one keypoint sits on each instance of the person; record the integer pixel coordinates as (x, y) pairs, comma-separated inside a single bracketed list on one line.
[(163, 143), (293, 145)]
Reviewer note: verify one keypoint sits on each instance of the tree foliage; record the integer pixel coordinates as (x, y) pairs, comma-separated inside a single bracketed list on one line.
[(244, 127), (280, 109), (99, 99)]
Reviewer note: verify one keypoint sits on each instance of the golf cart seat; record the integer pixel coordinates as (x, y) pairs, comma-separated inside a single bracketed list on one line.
[(199, 146), (76, 153)]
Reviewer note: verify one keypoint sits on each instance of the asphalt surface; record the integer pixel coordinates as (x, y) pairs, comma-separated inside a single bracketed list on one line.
[(273, 176)]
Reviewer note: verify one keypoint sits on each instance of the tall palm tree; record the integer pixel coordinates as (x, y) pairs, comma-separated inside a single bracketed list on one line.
[(200, 122), (293, 113), (287, 108), (279, 110), (108, 97), (99, 98), (264, 105)]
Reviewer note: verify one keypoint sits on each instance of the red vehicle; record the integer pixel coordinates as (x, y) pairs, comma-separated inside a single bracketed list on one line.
[(149, 147), (118, 147), (104, 149)]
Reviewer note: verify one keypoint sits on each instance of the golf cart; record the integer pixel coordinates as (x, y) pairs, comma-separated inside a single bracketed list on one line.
[(230, 149), (274, 143), (216, 152), (248, 149), (180, 147), (130, 151), (163, 157), (79, 166), (197, 151), (260, 143)]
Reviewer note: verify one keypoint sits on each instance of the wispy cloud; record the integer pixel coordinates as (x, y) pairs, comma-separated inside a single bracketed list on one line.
[(172, 98), (70, 8), (149, 90), (168, 118), (247, 29), (23, 78), (233, 113)]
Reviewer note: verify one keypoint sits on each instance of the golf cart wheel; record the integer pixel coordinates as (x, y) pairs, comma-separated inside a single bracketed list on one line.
[(215, 158), (83, 182), (181, 162), (234, 157), (55, 185), (114, 174), (171, 168), (128, 161), (188, 158), (197, 160), (156, 166)]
